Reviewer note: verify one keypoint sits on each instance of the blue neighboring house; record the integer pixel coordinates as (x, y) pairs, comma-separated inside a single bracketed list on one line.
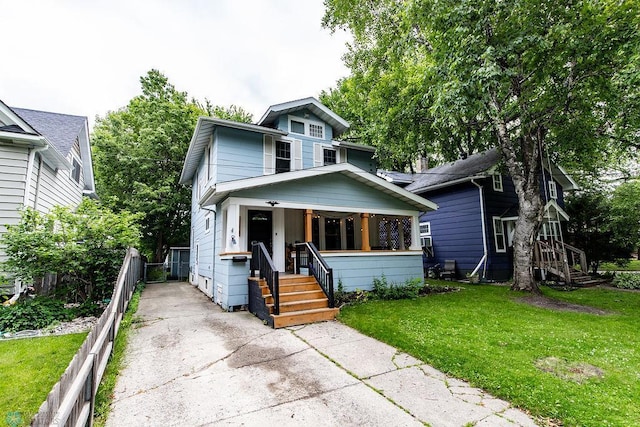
[(478, 209), (289, 179)]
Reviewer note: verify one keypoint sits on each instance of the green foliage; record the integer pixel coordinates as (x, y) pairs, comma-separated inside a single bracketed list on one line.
[(33, 313), (391, 291), (488, 336), (29, 369), (84, 248), (529, 78), (627, 281), (139, 151)]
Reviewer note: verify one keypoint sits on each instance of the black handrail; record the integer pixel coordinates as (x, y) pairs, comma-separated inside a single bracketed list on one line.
[(307, 256), (261, 261)]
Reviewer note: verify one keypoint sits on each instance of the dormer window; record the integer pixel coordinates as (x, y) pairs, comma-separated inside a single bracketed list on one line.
[(316, 131), (297, 127), (306, 127)]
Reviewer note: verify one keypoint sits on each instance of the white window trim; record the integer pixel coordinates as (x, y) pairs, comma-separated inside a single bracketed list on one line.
[(553, 190), (425, 237), (306, 123), (428, 232), (207, 223), (499, 235), (318, 154), (497, 182)]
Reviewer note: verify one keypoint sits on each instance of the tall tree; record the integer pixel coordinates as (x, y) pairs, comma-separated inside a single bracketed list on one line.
[(533, 78), (138, 153)]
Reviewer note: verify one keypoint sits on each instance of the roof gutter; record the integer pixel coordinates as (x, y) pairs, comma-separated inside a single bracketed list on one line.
[(448, 183), (483, 260)]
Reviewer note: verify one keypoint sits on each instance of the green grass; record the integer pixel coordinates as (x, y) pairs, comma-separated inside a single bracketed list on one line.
[(108, 382), (633, 265), (29, 368), (484, 335)]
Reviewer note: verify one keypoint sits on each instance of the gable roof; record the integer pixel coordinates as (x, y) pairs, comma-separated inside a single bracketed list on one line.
[(478, 165), (220, 191), (338, 124), (200, 139), (61, 130)]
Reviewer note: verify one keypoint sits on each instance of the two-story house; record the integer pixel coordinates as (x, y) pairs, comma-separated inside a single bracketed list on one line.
[(45, 160), (289, 179), (478, 209)]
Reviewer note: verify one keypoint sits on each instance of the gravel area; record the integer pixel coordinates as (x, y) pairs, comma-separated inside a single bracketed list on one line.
[(80, 324)]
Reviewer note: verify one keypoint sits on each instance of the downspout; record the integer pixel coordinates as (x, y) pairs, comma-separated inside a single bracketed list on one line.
[(484, 234), (213, 251)]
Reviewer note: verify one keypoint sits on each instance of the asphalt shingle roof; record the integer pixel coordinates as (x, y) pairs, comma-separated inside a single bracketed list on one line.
[(59, 129), (460, 169)]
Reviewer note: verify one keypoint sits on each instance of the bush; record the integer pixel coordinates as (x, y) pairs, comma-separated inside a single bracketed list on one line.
[(391, 291), (33, 313), (627, 281)]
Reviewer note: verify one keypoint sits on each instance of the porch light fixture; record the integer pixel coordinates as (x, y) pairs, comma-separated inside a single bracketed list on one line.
[(272, 202)]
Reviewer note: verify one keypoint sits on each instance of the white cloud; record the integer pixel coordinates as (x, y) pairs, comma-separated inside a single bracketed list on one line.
[(86, 57)]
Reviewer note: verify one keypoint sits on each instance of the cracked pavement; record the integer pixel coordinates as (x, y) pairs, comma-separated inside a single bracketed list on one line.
[(189, 363)]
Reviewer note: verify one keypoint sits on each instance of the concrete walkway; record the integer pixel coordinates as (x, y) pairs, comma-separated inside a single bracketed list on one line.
[(191, 364)]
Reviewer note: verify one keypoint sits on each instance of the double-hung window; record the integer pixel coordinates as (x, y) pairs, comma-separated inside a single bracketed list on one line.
[(75, 170), (329, 156), (497, 182), (283, 156), (553, 190), (499, 235)]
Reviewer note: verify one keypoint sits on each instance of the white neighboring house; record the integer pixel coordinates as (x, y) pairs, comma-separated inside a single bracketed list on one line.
[(45, 160)]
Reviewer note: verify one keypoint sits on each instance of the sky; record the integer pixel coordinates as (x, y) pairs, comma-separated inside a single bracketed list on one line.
[(85, 57)]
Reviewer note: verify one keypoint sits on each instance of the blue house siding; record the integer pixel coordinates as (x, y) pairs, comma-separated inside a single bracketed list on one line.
[(334, 190), (363, 160), (201, 238), (240, 154), (358, 271), (456, 228)]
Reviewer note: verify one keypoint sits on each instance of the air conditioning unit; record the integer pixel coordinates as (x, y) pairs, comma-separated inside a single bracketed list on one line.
[(425, 242)]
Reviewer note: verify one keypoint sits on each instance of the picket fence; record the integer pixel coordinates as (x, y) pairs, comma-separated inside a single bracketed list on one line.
[(71, 401)]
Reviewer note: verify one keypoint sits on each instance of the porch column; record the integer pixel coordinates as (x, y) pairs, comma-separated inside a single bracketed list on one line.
[(308, 229), (365, 232), (415, 233), (400, 234)]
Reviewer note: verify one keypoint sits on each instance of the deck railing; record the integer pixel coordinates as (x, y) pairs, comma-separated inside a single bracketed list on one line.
[(71, 401), (307, 256), (559, 258), (261, 261)]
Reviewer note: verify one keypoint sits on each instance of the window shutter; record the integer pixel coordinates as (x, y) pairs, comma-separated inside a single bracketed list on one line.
[(296, 155), (269, 155), (341, 155), (318, 157)]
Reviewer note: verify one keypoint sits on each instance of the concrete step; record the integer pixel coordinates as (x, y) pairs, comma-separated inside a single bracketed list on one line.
[(303, 317)]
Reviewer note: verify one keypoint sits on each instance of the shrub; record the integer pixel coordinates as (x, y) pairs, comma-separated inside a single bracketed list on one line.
[(627, 281), (33, 313), (84, 248), (391, 291)]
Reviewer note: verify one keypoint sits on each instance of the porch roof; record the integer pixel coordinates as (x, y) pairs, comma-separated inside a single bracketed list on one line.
[(221, 190)]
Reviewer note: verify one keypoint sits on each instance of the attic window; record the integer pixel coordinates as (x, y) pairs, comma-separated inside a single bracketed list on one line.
[(553, 190), (497, 182), (75, 171), (316, 131), (297, 127)]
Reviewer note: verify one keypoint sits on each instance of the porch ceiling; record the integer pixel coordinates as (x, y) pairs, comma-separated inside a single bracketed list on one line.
[(225, 189)]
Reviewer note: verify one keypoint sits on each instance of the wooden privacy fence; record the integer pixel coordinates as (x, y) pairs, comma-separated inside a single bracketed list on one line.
[(70, 402)]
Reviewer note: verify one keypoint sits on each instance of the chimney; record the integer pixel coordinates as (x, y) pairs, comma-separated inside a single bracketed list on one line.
[(422, 164)]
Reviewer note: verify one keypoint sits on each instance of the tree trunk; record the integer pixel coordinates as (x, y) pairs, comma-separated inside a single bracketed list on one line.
[(159, 248), (526, 232)]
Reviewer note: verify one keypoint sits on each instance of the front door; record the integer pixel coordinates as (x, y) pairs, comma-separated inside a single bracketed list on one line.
[(261, 228)]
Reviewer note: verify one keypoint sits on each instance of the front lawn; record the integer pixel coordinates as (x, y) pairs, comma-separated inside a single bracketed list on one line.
[(29, 368), (580, 368), (632, 265)]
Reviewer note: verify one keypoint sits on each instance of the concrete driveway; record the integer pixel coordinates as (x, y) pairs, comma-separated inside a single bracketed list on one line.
[(191, 364)]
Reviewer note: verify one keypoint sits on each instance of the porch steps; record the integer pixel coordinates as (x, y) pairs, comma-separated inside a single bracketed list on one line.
[(584, 280), (302, 301)]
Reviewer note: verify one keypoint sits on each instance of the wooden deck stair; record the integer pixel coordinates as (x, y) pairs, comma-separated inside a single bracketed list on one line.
[(302, 301)]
